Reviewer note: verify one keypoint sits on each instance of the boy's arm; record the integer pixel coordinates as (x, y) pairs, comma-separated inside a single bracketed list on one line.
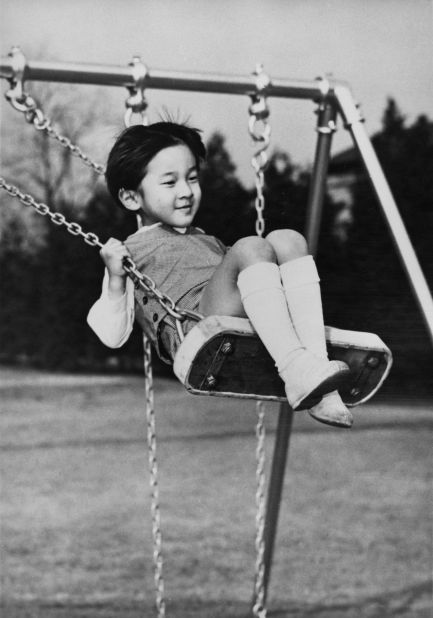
[(112, 316)]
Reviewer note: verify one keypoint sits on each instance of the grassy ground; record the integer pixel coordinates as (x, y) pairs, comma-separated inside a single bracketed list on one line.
[(354, 536)]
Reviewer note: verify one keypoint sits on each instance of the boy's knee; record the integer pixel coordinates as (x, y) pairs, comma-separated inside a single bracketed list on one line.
[(252, 249), (288, 244)]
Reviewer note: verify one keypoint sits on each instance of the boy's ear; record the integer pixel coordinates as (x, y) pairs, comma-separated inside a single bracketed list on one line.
[(130, 199)]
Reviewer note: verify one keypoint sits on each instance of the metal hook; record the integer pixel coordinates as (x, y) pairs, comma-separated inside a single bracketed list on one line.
[(263, 80), (16, 93), (258, 109), (136, 103)]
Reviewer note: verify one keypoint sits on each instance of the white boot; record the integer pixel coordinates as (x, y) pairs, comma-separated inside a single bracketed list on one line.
[(306, 376), (301, 285)]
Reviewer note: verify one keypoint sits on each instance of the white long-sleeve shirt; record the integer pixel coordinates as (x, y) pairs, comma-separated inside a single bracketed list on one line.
[(112, 319)]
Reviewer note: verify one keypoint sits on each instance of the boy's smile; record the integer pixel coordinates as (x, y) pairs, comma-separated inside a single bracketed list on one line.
[(169, 192)]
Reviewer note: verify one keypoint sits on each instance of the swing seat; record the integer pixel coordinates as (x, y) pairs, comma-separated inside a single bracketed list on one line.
[(223, 356)]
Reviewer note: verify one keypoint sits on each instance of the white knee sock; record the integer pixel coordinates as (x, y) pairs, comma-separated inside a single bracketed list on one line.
[(265, 305), (304, 374), (301, 285)]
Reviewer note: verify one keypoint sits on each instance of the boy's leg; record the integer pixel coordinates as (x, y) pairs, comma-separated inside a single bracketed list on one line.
[(248, 283), (301, 284)]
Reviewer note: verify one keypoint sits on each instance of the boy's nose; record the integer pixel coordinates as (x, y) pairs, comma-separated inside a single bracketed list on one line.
[(185, 189)]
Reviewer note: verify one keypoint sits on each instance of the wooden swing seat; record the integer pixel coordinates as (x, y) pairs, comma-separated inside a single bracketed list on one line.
[(223, 356)]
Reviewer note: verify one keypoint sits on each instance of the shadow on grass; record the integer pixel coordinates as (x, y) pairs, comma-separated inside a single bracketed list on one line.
[(410, 602)]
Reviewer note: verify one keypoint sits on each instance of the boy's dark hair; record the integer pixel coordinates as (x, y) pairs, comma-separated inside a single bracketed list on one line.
[(137, 145)]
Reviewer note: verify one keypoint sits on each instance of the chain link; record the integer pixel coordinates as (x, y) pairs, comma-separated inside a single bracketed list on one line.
[(136, 103)]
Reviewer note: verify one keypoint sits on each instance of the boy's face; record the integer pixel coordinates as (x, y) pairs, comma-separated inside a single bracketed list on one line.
[(170, 192)]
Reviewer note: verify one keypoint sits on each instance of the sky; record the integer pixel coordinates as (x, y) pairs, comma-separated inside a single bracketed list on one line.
[(382, 48)]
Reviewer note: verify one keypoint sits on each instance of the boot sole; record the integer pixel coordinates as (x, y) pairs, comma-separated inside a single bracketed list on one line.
[(332, 423), (332, 383)]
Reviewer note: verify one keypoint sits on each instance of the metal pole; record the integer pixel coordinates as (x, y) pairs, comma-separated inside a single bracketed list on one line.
[(103, 75), (281, 447), (325, 128), (395, 223)]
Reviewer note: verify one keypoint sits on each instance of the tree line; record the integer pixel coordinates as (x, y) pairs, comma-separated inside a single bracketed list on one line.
[(49, 279)]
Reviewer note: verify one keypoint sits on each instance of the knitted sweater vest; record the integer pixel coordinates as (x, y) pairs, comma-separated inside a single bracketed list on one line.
[(177, 263)]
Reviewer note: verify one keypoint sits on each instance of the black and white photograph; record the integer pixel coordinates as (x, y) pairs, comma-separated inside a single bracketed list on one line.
[(216, 311)]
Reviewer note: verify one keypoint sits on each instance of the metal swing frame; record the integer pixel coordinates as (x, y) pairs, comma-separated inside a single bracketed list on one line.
[(333, 98)]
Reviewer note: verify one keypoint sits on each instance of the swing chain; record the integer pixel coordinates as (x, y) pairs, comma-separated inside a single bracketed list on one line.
[(153, 471), (56, 217), (259, 113), (259, 609), (136, 103), (148, 285), (140, 279), (26, 104)]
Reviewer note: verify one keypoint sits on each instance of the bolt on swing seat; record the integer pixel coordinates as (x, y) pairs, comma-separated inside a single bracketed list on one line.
[(223, 356)]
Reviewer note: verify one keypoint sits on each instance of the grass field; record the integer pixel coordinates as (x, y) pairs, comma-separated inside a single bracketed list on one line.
[(354, 536)]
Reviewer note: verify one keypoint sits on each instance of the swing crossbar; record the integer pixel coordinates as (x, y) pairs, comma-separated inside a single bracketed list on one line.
[(112, 75), (223, 356), (322, 90)]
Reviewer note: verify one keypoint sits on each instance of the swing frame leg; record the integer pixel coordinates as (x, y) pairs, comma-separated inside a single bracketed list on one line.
[(399, 235), (281, 448)]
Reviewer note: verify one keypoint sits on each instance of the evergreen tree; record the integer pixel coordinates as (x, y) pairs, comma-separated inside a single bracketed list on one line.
[(20, 292), (286, 194), (224, 205), (379, 294)]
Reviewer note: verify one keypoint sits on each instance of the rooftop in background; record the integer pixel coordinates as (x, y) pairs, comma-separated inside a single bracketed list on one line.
[(344, 162)]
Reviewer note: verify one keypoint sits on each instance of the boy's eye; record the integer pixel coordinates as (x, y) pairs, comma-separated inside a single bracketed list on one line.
[(193, 178)]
